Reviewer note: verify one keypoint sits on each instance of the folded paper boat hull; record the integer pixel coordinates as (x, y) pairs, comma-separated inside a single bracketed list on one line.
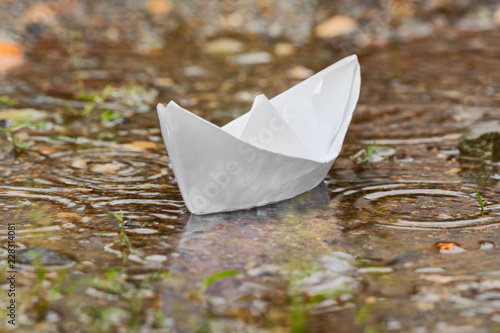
[(217, 172), (219, 169)]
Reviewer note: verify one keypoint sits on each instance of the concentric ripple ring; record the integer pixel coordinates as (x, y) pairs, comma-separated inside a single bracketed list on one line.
[(422, 205)]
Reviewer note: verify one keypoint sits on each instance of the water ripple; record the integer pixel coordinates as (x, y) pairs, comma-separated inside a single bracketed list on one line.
[(419, 205), (64, 201), (113, 169)]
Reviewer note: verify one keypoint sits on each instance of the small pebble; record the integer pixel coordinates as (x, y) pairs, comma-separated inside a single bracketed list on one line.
[(255, 58), (300, 73), (284, 49), (429, 270), (156, 257), (487, 245), (223, 46), (336, 26), (376, 270), (144, 231)]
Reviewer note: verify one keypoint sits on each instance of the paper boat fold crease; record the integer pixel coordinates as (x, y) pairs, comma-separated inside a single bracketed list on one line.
[(279, 149)]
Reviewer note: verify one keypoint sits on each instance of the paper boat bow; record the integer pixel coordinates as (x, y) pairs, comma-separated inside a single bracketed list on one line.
[(279, 149)]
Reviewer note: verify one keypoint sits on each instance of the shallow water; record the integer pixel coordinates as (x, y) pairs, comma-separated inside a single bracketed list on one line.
[(400, 244)]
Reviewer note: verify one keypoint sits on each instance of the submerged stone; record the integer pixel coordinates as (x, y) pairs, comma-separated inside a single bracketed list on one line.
[(44, 256), (484, 146)]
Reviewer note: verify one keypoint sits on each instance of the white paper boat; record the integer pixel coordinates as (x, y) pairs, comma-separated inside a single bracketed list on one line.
[(279, 149)]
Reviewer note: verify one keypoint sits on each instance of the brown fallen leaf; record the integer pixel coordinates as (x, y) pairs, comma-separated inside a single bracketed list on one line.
[(453, 171), (47, 150), (449, 248), (159, 6), (11, 55)]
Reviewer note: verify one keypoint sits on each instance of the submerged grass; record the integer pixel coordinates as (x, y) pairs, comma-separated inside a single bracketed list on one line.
[(17, 142), (366, 154), (45, 293), (131, 304), (215, 277), (93, 107), (7, 101), (480, 201), (301, 304), (123, 235)]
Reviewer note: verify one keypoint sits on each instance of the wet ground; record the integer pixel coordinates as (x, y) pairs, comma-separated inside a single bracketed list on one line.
[(397, 243)]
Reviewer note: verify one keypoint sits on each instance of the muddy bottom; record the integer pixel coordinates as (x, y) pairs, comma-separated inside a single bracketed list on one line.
[(396, 243)]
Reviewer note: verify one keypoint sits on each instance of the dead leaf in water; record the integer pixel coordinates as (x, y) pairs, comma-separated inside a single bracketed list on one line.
[(449, 248), (47, 150)]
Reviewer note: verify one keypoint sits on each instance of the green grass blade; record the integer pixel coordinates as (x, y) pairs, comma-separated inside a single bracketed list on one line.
[(22, 125), (71, 109), (480, 200), (217, 276), (23, 145), (119, 217), (383, 147), (7, 101)]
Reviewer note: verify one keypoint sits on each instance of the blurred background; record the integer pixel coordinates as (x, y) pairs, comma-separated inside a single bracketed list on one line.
[(164, 44)]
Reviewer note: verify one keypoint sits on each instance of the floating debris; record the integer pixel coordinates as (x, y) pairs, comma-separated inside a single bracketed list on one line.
[(44, 256), (449, 248)]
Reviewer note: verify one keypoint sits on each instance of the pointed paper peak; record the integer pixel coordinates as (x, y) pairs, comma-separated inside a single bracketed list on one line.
[(262, 104), (266, 128)]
